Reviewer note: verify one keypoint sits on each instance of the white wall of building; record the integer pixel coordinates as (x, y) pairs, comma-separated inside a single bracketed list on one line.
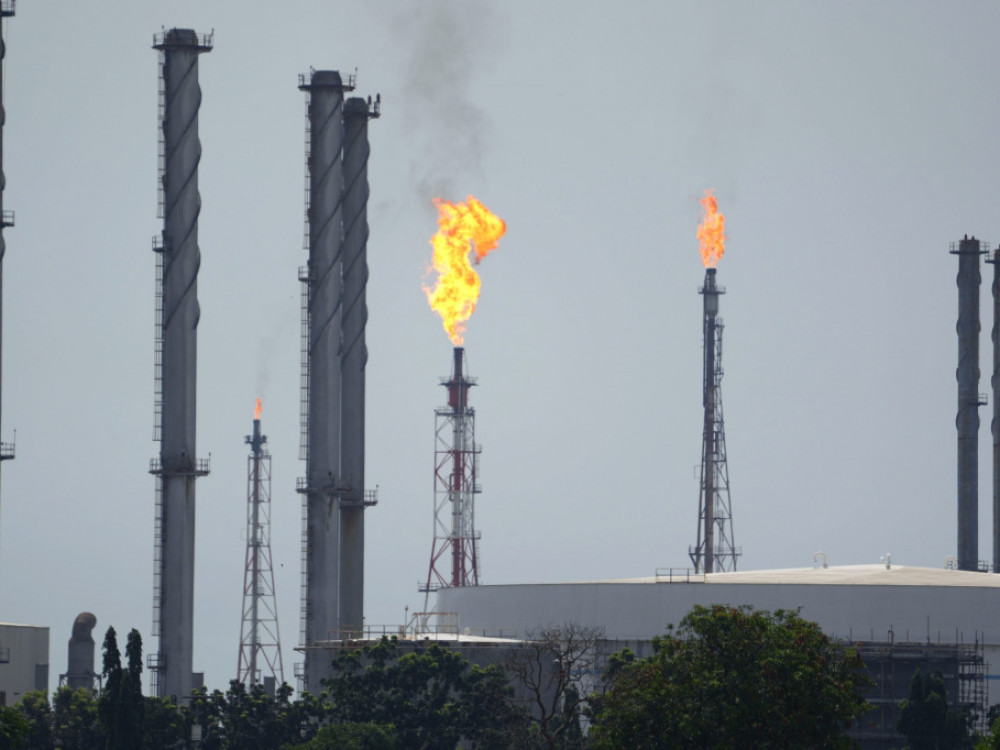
[(24, 661), (852, 603)]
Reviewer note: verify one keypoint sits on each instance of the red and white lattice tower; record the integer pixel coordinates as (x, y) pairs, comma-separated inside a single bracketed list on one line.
[(455, 552), (260, 644)]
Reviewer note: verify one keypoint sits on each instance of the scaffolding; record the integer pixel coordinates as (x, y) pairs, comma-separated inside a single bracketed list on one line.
[(892, 665)]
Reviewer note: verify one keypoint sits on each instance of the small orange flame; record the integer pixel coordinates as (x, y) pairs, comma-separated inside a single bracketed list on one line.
[(711, 232), (256, 412), (461, 227)]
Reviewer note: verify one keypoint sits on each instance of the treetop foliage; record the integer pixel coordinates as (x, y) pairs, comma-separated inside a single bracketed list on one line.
[(734, 677)]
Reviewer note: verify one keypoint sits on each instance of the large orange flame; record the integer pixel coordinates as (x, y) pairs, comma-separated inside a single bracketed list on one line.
[(711, 232), (256, 412), (461, 227)]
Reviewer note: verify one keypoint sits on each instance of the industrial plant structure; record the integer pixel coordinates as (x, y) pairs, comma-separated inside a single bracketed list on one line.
[(716, 550), (260, 640), (80, 655), (883, 603), (455, 549), (901, 618), (994, 259), (176, 347), (969, 278), (334, 356), (6, 217)]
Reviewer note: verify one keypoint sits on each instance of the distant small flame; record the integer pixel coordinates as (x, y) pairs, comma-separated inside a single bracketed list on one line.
[(256, 412), (461, 227), (711, 232)]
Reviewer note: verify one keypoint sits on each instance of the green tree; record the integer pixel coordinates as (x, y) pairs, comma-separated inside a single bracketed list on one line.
[(735, 677), (37, 711), (109, 704), (250, 720), (166, 726), (131, 705), (121, 705), (431, 695), (75, 719), (926, 719), (13, 728), (352, 737)]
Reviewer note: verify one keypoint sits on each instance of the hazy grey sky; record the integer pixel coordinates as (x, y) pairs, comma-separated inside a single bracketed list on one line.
[(848, 143)]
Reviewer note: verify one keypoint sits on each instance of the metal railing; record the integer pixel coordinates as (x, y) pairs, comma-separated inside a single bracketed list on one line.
[(678, 575)]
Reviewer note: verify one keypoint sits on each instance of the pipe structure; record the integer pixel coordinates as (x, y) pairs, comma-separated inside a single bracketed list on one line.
[(322, 485), (260, 642), (455, 486), (995, 423), (80, 656), (177, 467), (715, 550), (969, 279), (355, 356), (710, 295), (6, 217)]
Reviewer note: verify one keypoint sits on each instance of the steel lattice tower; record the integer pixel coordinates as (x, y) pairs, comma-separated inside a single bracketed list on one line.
[(260, 643), (715, 551), (456, 466)]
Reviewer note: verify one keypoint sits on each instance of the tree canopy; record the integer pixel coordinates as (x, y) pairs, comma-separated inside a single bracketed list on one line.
[(432, 696), (734, 677), (926, 719)]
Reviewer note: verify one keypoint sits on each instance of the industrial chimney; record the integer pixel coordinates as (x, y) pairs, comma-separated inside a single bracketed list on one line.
[(6, 217), (968, 251), (357, 112), (322, 368), (80, 661), (334, 357), (178, 260), (995, 423)]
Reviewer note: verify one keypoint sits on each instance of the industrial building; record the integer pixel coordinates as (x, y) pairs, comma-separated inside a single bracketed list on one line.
[(900, 617), (879, 602), (24, 661)]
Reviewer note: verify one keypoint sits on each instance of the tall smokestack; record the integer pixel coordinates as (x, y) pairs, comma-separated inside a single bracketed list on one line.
[(80, 659), (179, 313), (355, 356), (323, 483), (968, 251), (6, 217), (995, 423)]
